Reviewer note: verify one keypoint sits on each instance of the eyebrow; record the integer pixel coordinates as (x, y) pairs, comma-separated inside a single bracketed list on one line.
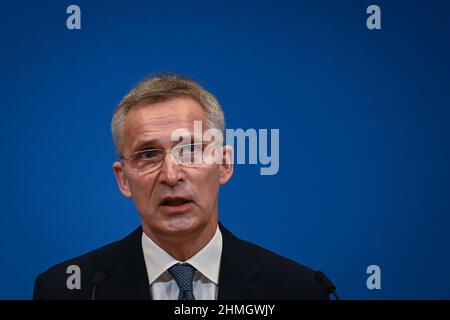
[(144, 144), (153, 144)]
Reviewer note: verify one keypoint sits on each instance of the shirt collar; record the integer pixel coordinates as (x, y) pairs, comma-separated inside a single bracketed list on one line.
[(206, 261)]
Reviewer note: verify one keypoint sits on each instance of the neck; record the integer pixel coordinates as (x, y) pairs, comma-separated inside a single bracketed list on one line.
[(183, 247)]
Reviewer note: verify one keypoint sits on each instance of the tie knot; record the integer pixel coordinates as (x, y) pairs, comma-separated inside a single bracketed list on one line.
[(183, 273)]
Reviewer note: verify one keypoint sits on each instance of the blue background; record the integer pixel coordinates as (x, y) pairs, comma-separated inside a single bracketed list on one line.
[(363, 116)]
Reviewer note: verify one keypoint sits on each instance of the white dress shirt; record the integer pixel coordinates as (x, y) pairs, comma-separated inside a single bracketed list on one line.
[(206, 262)]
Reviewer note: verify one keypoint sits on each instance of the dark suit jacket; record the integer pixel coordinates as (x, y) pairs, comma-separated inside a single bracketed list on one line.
[(246, 272)]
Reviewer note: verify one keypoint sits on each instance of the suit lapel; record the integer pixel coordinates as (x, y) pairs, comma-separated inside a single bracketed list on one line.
[(238, 270), (127, 275)]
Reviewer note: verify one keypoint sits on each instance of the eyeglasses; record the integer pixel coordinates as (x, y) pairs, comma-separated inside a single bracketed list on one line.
[(149, 160)]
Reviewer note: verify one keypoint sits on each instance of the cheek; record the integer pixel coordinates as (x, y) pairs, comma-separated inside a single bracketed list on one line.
[(142, 190), (208, 183)]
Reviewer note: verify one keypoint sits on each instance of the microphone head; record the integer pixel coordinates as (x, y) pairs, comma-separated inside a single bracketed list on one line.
[(324, 281), (99, 277)]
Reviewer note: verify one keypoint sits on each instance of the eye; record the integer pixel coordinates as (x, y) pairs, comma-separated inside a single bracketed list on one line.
[(195, 147), (150, 154), (189, 149)]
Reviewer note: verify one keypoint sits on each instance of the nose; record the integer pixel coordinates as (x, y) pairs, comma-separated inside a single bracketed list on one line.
[(170, 171)]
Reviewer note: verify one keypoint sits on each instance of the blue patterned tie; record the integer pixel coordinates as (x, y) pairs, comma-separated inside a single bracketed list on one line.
[(184, 277)]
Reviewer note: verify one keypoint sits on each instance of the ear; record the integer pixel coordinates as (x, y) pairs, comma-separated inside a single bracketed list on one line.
[(122, 179), (227, 167)]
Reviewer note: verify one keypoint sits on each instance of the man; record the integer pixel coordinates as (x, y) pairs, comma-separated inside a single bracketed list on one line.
[(180, 251)]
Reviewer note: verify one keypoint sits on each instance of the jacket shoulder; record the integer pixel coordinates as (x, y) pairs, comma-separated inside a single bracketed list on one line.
[(53, 283), (282, 277)]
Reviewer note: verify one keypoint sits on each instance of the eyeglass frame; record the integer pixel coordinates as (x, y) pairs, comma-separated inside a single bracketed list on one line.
[(163, 154)]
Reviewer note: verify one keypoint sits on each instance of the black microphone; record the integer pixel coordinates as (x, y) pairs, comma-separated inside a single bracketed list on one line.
[(326, 283), (99, 277)]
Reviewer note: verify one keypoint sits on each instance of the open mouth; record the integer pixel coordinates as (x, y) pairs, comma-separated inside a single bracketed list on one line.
[(175, 204), (175, 201)]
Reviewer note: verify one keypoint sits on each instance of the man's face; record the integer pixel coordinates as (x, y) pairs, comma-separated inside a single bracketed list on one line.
[(174, 199)]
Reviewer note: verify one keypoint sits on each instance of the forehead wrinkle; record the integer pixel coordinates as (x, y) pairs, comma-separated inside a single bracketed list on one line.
[(146, 132), (158, 121), (161, 127)]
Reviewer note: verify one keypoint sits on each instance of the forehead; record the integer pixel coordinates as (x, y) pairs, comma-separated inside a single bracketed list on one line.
[(157, 121)]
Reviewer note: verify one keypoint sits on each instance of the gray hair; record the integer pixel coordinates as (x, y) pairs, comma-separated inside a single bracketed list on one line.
[(159, 88)]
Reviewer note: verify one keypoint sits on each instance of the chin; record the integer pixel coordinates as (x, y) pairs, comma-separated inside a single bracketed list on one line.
[(177, 225), (181, 225)]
